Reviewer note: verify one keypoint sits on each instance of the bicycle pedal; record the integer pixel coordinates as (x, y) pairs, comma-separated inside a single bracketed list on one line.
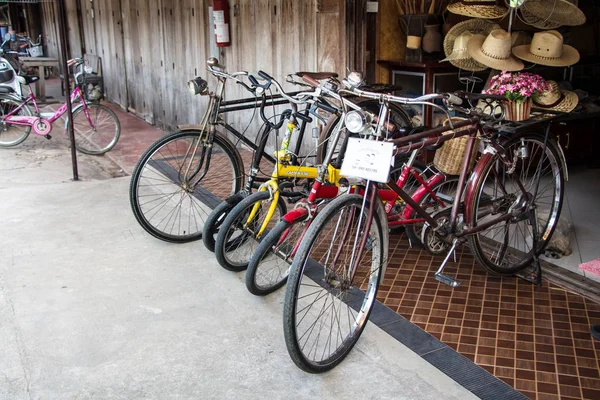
[(445, 279), (48, 137)]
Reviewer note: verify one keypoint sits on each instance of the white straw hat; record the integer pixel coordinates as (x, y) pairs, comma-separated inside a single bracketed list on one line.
[(494, 51), (454, 51), (556, 99), (487, 9), (547, 48)]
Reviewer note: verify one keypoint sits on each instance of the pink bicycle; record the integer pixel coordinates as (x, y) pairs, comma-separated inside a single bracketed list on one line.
[(96, 126)]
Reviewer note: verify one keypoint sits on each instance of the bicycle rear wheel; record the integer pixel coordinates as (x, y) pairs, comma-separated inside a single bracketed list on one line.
[(97, 130), (238, 235), (165, 195), (12, 135), (326, 307), (507, 247), (270, 264)]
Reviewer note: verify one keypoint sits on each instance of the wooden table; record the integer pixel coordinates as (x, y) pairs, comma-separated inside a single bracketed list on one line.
[(40, 62)]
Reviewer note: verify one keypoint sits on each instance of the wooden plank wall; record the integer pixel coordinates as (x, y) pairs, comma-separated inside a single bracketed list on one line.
[(150, 49), (50, 28)]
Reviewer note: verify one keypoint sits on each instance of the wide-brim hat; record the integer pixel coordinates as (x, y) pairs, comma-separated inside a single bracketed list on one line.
[(487, 9), (474, 26), (537, 22), (556, 99), (494, 51), (553, 12), (547, 48)]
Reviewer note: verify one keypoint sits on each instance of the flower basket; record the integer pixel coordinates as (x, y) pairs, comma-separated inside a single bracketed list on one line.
[(518, 89), (518, 110)]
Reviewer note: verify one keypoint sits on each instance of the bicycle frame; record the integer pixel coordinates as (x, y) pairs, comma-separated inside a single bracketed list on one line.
[(42, 125)]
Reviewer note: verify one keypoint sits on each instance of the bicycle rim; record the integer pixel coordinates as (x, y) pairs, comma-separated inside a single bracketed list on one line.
[(99, 133), (325, 309), (508, 247), (270, 264), (165, 199), (239, 235), (12, 135)]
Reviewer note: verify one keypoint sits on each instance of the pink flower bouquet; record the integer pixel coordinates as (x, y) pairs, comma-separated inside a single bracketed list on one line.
[(518, 86)]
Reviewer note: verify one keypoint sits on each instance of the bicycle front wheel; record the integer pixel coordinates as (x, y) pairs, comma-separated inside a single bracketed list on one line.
[(175, 184), (216, 218), (97, 129), (270, 264), (327, 303), (239, 235), (12, 135), (508, 246)]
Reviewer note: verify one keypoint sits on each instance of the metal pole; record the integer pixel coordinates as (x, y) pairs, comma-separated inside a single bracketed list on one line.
[(62, 26)]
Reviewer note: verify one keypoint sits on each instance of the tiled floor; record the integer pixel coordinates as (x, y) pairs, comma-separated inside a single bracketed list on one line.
[(580, 207), (535, 339)]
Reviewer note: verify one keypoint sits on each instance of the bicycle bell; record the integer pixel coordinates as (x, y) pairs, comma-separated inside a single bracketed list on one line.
[(353, 80)]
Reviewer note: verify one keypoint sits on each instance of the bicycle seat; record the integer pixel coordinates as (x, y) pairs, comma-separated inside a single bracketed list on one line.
[(6, 89), (317, 75), (27, 79)]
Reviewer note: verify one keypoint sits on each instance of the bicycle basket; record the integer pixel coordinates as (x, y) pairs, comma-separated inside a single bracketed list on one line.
[(93, 87), (449, 157)]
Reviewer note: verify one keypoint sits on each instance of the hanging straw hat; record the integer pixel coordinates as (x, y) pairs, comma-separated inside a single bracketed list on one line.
[(547, 48), (494, 51), (556, 99), (455, 50), (552, 13), (487, 9), (537, 22)]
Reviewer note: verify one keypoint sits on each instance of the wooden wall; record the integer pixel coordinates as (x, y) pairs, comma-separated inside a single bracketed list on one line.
[(150, 49)]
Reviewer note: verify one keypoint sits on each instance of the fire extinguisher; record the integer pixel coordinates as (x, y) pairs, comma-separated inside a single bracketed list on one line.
[(221, 22)]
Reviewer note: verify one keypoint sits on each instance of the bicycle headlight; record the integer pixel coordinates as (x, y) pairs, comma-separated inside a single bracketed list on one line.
[(198, 86), (356, 121)]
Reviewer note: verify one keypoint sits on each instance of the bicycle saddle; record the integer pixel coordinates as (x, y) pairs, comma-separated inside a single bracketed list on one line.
[(317, 75), (27, 79)]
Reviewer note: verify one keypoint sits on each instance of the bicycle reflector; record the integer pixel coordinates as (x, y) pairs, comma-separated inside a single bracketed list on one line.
[(198, 86), (356, 121)]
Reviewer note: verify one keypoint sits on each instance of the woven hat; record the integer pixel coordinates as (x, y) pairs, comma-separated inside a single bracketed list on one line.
[(556, 99), (552, 13), (487, 9), (547, 48), (472, 26), (494, 51)]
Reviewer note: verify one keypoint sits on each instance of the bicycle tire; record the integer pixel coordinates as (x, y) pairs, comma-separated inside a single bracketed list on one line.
[(307, 267), (267, 274), (13, 135), (216, 218), (449, 185), (103, 136), (161, 163), (235, 243), (481, 198)]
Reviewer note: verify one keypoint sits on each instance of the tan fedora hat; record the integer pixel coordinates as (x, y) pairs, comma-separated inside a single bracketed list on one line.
[(494, 51), (547, 48), (548, 14), (556, 99), (487, 9), (472, 26)]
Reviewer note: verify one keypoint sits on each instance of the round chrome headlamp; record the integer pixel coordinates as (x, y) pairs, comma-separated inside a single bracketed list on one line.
[(356, 121), (198, 86)]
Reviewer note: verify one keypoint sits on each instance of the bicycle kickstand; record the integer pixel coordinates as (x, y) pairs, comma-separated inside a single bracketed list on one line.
[(445, 279)]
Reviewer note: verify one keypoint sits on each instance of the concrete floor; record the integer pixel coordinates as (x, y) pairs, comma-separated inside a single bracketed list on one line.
[(94, 308)]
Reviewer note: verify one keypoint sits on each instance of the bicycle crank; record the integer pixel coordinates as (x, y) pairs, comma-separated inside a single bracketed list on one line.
[(437, 242)]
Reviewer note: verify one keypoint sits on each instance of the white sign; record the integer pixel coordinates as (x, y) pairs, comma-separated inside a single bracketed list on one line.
[(372, 6), (367, 159)]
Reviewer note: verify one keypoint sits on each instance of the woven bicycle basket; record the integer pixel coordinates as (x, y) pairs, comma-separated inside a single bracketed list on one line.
[(449, 157)]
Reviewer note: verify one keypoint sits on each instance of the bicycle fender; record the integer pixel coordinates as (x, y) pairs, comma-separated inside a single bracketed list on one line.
[(295, 215)]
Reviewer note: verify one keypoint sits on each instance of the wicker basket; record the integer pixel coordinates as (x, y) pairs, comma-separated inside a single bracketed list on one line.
[(449, 157)]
